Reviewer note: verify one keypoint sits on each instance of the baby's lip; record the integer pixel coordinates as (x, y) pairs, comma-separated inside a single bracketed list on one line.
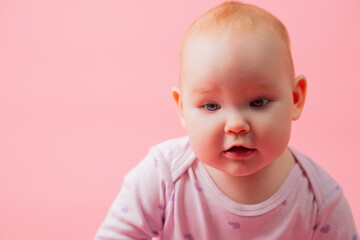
[(238, 148), (238, 152)]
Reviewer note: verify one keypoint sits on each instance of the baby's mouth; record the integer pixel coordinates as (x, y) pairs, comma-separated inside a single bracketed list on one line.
[(238, 148), (239, 152)]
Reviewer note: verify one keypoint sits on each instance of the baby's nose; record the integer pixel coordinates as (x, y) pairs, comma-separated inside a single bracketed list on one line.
[(236, 123)]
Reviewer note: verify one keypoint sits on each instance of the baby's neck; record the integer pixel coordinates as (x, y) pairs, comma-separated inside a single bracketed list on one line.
[(258, 187)]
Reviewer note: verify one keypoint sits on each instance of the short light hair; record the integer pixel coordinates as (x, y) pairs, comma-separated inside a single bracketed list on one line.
[(241, 17)]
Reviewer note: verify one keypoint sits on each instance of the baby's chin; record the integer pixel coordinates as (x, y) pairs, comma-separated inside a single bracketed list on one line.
[(234, 170)]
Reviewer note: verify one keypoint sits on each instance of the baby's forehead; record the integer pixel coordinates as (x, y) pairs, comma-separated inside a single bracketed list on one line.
[(255, 54), (230, 37), (231, 48)]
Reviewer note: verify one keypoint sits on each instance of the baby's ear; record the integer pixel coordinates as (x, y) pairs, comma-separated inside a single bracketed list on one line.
[(176, 93), (299, 95)]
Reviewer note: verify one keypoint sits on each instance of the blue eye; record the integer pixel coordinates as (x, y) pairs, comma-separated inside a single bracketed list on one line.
[(258, 103), (211, 107)]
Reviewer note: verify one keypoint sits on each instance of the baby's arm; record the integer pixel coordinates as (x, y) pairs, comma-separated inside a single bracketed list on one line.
[(335, 220), (138, 210)]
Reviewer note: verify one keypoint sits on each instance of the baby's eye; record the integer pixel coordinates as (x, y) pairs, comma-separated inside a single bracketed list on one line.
[(211, 107), (259, 102)]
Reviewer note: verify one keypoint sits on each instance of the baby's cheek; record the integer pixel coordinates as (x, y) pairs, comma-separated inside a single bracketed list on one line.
[(273, 130)]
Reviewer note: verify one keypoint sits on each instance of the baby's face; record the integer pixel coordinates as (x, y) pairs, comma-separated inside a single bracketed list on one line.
[(236, 100)]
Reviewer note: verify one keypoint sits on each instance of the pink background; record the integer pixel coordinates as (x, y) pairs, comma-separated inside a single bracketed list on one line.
[(85, 91)]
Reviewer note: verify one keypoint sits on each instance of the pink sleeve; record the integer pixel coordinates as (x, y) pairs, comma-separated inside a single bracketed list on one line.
[(334, 220), (138, 210)]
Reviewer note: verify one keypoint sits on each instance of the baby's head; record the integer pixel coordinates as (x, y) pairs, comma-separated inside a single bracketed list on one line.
[(236, 18), (238, 95)]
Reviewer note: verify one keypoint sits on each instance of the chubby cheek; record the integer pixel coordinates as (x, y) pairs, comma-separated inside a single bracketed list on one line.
[(205, 134), (274, 133)]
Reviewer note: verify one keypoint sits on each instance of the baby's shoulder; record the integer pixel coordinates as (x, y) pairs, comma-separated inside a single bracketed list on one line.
[(323, 185), (176, 154), (173, 148)]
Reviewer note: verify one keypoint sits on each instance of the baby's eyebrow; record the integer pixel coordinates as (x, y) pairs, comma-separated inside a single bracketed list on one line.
[(204, 90), (250, 87), (262, 86)]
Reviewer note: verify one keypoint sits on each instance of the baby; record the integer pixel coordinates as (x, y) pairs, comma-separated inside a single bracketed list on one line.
[(234, 176)]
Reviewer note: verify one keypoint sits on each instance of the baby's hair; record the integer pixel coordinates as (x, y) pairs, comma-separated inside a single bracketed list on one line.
[(241, 17)]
